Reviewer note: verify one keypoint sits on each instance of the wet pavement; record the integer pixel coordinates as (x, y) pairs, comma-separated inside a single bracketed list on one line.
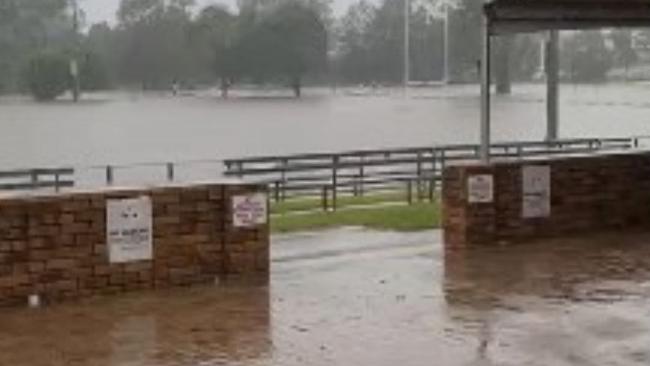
[(357, 297)]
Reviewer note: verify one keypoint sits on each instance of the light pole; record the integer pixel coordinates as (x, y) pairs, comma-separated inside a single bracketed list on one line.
[(74, 66), (407, 43), (445, 75)]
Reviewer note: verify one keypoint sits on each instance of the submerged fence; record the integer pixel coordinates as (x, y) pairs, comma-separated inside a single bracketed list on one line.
[(416, 170)]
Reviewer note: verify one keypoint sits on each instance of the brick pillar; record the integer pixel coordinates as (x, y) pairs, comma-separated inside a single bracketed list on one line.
[(466, 223), (247, 250)]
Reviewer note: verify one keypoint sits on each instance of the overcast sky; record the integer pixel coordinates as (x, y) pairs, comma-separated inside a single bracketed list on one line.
[(100, 10)]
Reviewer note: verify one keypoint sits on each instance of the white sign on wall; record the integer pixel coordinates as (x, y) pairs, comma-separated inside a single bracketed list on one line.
[(536, 199), (480, 188), (250, 210), (129, 230)]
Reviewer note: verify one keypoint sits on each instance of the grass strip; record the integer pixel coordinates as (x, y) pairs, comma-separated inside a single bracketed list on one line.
[(416, 217)]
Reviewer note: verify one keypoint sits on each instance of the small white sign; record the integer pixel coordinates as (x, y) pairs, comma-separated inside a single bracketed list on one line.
[(250, 210), (480, 188), (129, 230), (536, 191)]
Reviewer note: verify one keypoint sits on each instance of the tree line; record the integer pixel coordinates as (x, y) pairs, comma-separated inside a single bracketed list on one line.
[(157, 43)]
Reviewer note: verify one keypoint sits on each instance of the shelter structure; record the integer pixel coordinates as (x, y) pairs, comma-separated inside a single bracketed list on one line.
[(514, 200), (502, 17)]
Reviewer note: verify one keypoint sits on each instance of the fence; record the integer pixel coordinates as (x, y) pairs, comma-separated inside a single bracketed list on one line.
[(418, 170), (31, 179)]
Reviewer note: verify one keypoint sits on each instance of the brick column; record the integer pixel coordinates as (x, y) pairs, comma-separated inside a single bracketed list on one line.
[(466, 223)]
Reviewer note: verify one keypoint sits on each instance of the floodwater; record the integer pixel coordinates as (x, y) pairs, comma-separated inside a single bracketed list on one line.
[(122, 128), (358, 297)]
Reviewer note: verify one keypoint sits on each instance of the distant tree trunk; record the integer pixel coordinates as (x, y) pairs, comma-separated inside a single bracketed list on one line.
[(502, 65), (225, 86), (296, 85)]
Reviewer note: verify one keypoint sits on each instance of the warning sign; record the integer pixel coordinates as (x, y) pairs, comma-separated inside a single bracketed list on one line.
[(129, 230), (250, 210), (536, 180), (480, 188)]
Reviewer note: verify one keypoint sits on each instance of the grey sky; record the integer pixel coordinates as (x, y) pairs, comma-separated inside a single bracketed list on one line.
[(100, 10)]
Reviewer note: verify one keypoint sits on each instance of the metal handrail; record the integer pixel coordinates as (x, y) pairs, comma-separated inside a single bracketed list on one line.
[(32, 179), (327, 173), (341, 168)]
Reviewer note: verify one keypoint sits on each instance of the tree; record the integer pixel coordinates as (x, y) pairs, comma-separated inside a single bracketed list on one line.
[(153, 39), (293, 39), (502, 65), (213, 37), (101, 44), (27, 26), (352, 49), (585, 57), (624, 53), (93, 73), (465, 40), (427, 46), (370, 46), (47, 76)]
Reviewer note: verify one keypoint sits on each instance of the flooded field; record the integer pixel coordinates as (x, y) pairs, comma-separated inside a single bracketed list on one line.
[(356, 297), (122, 128)]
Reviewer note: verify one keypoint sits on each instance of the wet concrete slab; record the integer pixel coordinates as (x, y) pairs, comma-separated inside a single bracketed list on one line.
[(358, 297)]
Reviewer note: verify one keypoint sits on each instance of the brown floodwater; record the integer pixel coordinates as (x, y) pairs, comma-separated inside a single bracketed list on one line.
[(357, 297)]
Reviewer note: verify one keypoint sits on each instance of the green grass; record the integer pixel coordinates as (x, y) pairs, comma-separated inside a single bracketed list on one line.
[(309, 204), (416, 217)]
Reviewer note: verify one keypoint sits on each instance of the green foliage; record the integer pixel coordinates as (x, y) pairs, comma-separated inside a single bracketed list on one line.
[(624, 54), (586, 58), (152, 42), (47, 76), (371, 43), (93, 73), (27, 26), (157, 42), (213, 39), (465, 42), (293, 39)]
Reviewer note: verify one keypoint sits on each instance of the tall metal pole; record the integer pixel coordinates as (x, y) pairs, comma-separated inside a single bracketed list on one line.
[(407, 42), (74, 66), (445, 74), (552, 86), (485, 94)]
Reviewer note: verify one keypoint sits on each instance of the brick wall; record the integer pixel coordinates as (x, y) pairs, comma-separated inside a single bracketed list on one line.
[(55, 245), (588, 193)]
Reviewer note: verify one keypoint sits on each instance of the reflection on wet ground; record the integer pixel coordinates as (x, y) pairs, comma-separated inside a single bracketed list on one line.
[(355, 297)]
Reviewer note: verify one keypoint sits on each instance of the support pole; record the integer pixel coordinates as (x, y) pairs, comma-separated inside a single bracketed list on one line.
[(485, 94), (552, 86)]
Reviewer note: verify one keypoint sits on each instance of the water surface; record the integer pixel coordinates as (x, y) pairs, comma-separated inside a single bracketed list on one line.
[(357, 297)]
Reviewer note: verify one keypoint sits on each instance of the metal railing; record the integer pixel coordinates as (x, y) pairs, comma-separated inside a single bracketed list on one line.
[(32, 179), (418, 170)]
